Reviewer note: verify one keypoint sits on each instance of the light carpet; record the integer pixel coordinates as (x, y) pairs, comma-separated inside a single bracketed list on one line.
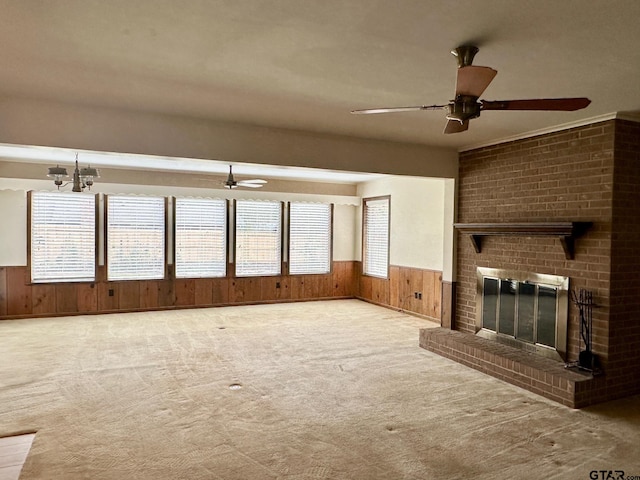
[(329, 390)]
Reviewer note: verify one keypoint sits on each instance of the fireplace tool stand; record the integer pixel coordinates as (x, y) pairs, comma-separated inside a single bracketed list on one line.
[(587, 360)]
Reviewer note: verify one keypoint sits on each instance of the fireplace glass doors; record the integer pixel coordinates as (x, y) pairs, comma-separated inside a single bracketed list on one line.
[(526, 310)]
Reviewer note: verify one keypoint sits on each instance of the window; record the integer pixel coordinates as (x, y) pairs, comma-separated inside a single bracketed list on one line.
[(63, 237), (258, 238), (200, 237), (135, 237), (309, 238), (375, 242)]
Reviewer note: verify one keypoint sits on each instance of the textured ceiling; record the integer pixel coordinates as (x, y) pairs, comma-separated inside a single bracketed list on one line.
[(305, 64)]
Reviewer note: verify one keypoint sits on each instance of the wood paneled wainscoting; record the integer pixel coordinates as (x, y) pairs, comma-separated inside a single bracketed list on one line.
[(412, 290), (21, 299)]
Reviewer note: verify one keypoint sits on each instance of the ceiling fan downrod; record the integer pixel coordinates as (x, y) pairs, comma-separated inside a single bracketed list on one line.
[(465, 54)]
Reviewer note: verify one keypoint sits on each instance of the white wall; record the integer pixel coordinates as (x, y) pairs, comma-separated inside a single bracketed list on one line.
[(344, 227), (13, 233), (417, 215)]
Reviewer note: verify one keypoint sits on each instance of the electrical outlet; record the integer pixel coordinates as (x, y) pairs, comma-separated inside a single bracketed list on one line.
[(277, 284), (419, 295), (111, 292), (415, 294)]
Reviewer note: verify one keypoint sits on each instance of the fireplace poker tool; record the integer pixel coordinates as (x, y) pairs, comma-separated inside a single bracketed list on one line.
[(587, 360)]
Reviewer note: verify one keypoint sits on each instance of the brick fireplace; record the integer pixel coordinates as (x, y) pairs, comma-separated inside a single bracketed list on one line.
[(587, 175)]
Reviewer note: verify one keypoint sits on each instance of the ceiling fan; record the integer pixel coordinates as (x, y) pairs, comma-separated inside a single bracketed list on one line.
[(231, 182), (471, 82)]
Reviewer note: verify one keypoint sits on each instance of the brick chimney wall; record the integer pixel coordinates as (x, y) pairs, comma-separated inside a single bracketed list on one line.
[(562, 176), (624, 318)]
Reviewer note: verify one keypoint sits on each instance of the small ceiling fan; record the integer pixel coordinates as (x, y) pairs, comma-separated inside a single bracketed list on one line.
[(471, 83), (231, 182)]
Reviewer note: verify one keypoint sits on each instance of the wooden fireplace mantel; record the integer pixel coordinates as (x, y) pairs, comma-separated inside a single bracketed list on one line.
[(567, 232)]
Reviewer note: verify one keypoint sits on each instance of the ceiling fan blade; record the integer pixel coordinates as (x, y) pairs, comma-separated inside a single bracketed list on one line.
[(562, 104), (474, 80), (254, 180), (454, 126), (397, 109), (249, 185)]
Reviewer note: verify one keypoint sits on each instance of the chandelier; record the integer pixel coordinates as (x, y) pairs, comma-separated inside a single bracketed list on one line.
[(82, 177)]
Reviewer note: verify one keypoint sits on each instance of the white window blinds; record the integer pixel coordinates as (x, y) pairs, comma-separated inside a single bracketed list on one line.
[(258, 238), (376, 237), (135, 237), (63, 237), (309, 238), (200, 237)]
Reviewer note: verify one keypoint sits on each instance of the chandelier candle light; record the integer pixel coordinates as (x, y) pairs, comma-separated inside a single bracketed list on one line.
[(82, 177)]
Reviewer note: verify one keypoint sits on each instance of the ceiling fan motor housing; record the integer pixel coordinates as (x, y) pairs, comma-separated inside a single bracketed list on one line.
[(231, 182), (464, 107)]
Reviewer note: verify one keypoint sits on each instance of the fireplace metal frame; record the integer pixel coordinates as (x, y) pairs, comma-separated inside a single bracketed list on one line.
[(562, 310)]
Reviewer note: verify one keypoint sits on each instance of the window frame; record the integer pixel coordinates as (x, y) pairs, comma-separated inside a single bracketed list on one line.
[(235, 239), (91, 279), (330, 242), (365, 201), (106, 237), (175, 234)]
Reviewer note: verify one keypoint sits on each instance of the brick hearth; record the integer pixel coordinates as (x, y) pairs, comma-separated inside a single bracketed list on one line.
[(535, 373)]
